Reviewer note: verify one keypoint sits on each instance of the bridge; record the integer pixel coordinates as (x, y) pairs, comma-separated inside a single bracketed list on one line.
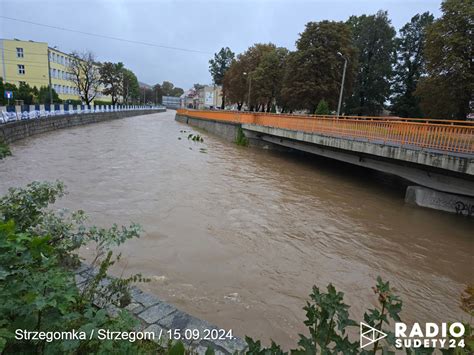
[(435, 155)]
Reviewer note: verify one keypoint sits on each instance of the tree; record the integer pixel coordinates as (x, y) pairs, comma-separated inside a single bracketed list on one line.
[(256, 72), (235, 84), (218, 67), (374, 38), (44, 95), (313, 72), (111, 76), (323, 108), (85, 75), (447, 91), (158, 92), (177, 92), (267, 77), (410, 66), (131, 89), (26, 93), (169, 89)]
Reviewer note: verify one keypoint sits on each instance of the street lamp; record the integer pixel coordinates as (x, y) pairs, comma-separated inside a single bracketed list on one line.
[(250, 86), (342, 83)]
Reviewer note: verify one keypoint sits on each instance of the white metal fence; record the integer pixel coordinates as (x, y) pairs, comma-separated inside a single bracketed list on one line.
[(39, 114)]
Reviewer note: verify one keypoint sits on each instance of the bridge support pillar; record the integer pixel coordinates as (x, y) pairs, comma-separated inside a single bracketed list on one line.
[(425, 197)]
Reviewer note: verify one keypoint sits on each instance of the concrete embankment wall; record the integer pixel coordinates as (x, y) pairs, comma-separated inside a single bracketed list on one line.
[(14, 131), (229, 131), (225, 130)]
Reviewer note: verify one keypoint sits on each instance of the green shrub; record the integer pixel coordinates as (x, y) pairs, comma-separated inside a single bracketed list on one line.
[(323, 108), (37, 285), (240, 138), (4, 150)]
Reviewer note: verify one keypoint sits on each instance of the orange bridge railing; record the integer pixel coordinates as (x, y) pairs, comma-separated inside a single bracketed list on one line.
[(446, 135)]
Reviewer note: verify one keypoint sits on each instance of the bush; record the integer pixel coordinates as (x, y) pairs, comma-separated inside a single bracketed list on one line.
[(37, 286), (4, 150), (240, 138), (323, 108)]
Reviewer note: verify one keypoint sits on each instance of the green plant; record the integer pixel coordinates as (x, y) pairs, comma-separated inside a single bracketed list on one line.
[(37, 285), (4, 150), (322, 108), (240, 138), (195, 138), (327, 319)]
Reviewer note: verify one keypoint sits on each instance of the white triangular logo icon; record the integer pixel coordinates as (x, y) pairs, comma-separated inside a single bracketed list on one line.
[(369, 335)]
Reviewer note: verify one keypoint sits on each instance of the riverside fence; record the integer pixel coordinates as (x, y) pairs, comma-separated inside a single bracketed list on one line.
[(32, 112), (444, 135)]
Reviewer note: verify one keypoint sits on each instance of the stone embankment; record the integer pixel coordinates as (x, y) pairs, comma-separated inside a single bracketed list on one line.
[(16, 130), (158, 317)]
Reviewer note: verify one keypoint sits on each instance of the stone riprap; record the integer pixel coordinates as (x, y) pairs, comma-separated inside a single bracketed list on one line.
[(157, 316), (16, 130)]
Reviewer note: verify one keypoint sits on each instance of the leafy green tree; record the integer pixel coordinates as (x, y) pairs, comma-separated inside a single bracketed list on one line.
[(131, 88), (374, 37), (218, 67), (26, 93), (177, 92), (267, 77), (323, 108), (44, 95), (410, 66), (447, 91), (111, 76), (235, 84), (314, 70), (168, 89)]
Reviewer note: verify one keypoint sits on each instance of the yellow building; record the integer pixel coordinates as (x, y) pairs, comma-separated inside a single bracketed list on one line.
[(28, 62)]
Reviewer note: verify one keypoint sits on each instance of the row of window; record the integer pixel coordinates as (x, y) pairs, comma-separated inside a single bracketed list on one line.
[(60, 74), (56, 58), (64, 89), (60, 59)]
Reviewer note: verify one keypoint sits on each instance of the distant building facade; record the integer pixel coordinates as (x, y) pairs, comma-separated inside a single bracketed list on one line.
[(36, 64), (204, 98), (171, 102)]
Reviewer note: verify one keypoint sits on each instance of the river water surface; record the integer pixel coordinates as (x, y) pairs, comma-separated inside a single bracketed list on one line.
[(238, 236)]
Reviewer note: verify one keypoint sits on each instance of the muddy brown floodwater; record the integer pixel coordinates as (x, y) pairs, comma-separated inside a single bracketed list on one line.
[(238, 236)]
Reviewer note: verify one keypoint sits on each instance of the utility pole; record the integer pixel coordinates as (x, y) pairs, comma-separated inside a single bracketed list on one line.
[(342, 84), (250, 86), (50, 85)]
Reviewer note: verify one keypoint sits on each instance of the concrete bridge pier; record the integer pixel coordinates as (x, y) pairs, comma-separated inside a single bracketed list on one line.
[(429, 198)]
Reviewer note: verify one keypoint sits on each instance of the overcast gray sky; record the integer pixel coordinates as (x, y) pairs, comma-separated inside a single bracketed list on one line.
[(199, 25)]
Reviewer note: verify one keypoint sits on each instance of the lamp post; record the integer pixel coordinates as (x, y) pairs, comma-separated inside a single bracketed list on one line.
[(250, 86), (342, 83)]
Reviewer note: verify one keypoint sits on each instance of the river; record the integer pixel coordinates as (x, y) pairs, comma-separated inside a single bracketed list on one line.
[(238, 236)]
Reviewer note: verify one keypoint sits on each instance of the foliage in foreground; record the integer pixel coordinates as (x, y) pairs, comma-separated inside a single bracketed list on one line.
[(4, 150), (38, 290), (327, 319)]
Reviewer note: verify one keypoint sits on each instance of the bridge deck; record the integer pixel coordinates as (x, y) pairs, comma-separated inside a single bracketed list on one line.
[(441, 135)]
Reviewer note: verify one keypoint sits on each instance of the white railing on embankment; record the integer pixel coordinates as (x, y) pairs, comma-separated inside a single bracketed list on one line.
[(39, 114)]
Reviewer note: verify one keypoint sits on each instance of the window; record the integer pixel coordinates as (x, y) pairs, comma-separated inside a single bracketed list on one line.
[(54, 73), (21, 69), (19, 53)]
